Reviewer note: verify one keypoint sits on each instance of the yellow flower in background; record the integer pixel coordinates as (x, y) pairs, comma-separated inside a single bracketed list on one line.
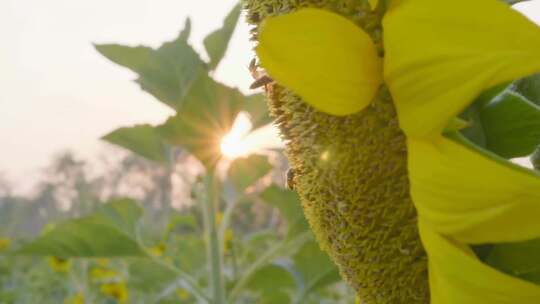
[(59, 265), (182, 294), (75, 299), (117, 291), (158, 250), (5, 244), (227, 240), (101, 273), (219, 218), (103, 262), (439, 56)]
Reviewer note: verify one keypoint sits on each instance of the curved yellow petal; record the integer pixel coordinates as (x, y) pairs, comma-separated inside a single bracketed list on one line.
[(440, 55), (323, 57), (457, 276), (470, 195)]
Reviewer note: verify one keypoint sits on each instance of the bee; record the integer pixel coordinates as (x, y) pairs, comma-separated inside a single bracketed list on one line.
[(261, 78), (289, 183)]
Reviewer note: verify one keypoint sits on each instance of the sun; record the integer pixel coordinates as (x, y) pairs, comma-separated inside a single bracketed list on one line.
[(241, 141), (232, 144)]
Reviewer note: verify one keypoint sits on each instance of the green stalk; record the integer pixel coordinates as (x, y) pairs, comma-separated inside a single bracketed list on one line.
[(213, 248)]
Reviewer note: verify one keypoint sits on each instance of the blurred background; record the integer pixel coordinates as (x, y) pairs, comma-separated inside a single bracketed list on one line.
[(125, 221), (58, 93)]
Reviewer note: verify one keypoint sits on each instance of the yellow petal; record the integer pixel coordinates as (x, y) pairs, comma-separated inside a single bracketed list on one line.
[(373, 3), (440, 55), (471, 195), (323, 57), (457, 276)]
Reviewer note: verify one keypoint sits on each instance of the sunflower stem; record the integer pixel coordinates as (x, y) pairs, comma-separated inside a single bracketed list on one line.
[(214, 255)]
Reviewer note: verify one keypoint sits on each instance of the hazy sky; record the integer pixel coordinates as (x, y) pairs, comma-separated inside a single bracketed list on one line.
[(58, 93)]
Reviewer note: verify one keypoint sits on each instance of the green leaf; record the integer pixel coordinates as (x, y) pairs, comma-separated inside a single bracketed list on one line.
[(516, 258), (535, 158), (216, 43), (143, 140), (109, 232), (147, 275), (258, 110), (511, 125), (244, 172), (289, 205), (475, 130), (207, 115), (315, 267), (183, 222), (530, 88), (167, 72), (189, 249), (278, 296), (184, 34), (271, 279)]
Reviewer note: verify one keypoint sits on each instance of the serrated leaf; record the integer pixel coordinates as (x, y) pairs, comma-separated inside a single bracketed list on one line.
[(109, 232), (511, 125), (244, 172), (217, 42), (167, 72), (315, 267), (207, 115), (289, 205), (142, 140)]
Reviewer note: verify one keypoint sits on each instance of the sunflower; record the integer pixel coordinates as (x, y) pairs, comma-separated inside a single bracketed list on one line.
[(435, 58)]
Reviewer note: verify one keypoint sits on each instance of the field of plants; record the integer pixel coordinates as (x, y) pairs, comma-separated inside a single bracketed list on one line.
[(236, 234), (410, 173)]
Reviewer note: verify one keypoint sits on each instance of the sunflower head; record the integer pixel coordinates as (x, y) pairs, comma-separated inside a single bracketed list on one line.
[(350, 170), (372, 124)]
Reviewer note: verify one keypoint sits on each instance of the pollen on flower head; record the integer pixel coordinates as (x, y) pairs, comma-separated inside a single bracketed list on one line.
[(351, 175)]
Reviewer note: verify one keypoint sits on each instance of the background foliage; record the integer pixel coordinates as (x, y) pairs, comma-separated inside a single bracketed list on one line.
[(171, 221)]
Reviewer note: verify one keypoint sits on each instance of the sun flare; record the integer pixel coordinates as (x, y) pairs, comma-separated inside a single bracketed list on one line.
[(232, 144), (241, 141)]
